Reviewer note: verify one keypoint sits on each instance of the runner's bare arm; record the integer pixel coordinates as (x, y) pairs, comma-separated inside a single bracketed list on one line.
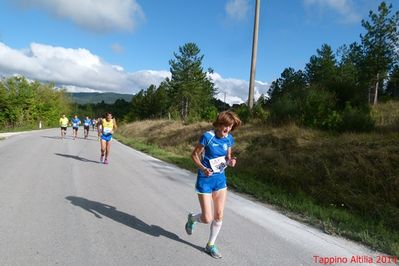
[(195, 156), (231, 161)]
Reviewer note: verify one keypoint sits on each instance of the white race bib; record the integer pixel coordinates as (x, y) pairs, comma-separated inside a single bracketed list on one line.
[(107, 130), (75, 125), (218, 164)]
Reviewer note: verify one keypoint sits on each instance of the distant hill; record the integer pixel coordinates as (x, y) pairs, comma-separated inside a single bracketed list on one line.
[(95, 97)]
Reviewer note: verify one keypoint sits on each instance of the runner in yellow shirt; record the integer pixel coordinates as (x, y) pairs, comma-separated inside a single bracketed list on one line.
[(63, 124), (108, 126)]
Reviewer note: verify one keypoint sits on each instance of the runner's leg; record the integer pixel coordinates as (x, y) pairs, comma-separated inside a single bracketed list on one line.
[(205, 201), (107, 150), (205, 216), (103, 147), (219, 200)]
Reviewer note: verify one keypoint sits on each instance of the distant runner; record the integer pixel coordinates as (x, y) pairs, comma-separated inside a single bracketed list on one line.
[(75, 126), (99, 127), (86, 125), (64, 125), (108, 125), (212, 155), (93, 123)]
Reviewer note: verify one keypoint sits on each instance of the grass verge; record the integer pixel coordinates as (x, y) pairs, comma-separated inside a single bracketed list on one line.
[(153, 150), (17, 129), (342, 179)]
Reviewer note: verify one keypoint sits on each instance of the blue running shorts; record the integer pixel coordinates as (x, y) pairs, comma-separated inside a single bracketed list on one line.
[(107, 138), (213, 183)]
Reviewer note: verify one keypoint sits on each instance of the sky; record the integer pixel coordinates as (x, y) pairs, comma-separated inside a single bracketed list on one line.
[(125, 45)]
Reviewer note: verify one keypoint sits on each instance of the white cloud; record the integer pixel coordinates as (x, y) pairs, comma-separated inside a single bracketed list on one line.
[(343, 7), (78, 70), (237, 9), (98, 16), (237, 89), (71, 88), (74, 67)]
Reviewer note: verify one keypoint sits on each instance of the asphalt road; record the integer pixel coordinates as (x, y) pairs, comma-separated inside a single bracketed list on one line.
[(60, 206)]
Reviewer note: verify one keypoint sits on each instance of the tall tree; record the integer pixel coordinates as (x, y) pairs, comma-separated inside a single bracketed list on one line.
[(291, 82), (191, 87), (350, 82), (322, 69), (381, 45)]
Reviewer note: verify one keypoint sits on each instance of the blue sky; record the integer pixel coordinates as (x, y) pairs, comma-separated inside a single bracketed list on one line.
[(125, 45)]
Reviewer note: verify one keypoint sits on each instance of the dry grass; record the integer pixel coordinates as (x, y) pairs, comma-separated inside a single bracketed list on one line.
[(347, 182), (386, 115)]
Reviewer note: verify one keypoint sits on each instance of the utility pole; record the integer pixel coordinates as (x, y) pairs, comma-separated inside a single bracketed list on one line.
[(253, 61)]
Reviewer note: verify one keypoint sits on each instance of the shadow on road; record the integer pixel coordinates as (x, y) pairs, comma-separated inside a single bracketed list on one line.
[(51, 137), (97, 208), (76, 157), (69, 138)]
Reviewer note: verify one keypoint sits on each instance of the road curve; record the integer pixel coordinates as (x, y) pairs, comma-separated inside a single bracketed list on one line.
[(60, 206)]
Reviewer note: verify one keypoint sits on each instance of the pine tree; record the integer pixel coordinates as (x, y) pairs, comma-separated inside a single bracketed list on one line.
[(381, 45), (191, 89), (322, 69)]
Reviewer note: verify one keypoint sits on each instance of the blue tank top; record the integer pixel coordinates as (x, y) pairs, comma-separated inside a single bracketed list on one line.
[(215, 152)]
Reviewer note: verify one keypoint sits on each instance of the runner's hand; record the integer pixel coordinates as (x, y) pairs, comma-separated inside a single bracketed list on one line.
[(207, 172), (232, 162)]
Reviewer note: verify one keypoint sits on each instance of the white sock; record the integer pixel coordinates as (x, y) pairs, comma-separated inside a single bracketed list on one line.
[(197, 217), (215, 228)]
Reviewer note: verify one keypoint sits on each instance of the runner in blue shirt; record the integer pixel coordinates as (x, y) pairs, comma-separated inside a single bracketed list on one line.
[(86, 126), (75, 126), (215, 148)]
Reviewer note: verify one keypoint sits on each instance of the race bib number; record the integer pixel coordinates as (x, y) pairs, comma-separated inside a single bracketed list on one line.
[(218, 164), (86, 124), (107, 130), (75, 124)]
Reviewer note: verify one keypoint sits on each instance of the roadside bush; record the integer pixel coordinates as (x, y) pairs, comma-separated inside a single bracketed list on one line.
[(209, 114), (285, 110), (259, 113), (356, 119), (243, 112), (318, 109)]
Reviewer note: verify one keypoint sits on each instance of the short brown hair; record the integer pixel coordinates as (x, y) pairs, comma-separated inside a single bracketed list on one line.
[(227, 118)]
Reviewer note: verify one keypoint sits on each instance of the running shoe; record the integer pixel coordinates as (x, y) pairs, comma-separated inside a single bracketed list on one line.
[(102, 158), (190, 224), (106, 161), (213, 251)]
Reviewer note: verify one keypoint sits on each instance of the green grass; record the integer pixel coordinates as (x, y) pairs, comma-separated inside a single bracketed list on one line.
[(332, 220), (17, 129), (343, 184), (153, 150)]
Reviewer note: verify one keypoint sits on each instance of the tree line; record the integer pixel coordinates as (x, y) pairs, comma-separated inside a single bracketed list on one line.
[(335, 90), (119, 109), (24, 104), (188, 95)]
